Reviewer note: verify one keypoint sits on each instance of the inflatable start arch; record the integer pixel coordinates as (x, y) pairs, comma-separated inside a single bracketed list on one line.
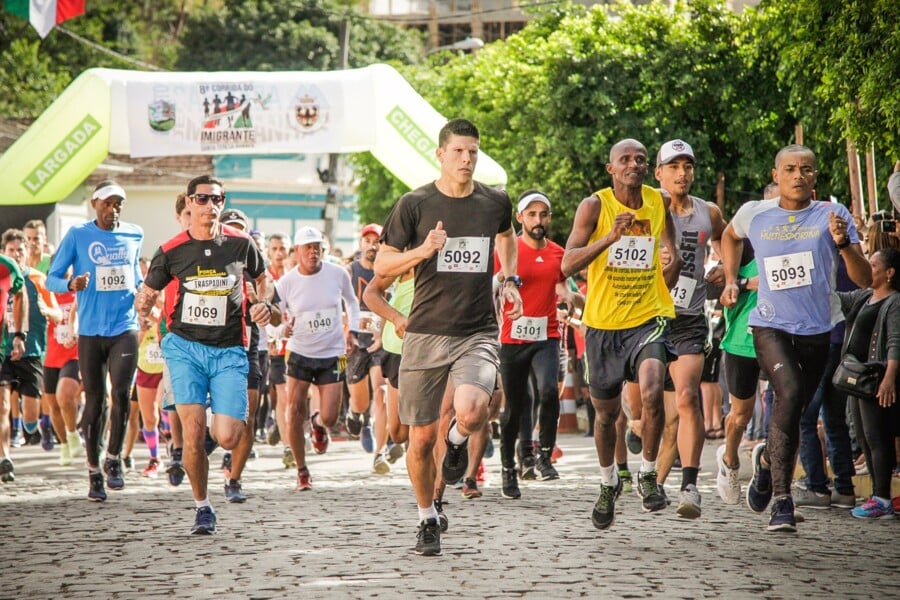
[(168, 114)]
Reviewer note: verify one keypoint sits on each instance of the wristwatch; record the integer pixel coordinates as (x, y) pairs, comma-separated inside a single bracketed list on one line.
[(515, 279), (843, 245), (21, 335)]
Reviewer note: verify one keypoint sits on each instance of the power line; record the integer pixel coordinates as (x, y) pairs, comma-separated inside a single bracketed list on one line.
[(105, 50)]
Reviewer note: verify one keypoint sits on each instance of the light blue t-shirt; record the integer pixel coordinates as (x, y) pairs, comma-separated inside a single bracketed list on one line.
[(106, 306), (796, 257)]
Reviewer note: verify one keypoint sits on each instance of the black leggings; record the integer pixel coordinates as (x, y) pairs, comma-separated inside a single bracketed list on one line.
[(875, 427), (97, 356), (794, 365), (517, 363)]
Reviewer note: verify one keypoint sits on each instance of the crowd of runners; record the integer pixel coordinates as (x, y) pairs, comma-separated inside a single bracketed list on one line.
[(448, 330)]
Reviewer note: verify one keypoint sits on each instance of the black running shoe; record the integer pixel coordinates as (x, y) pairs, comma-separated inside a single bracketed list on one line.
[(233, 492), (759, 492), (97, 492), (7, 470), (544, 468), (527, 469), (651, 498), (442, 518), (226, 461), (428, 538), (209, 444), (354, 424), (456, 460), (511, 484), (175, 469), (604, 512), (783, 515), (113, 469), (204, 522), (634, 443)]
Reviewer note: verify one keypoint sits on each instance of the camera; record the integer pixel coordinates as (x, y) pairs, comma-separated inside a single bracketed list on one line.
[(888, 226)]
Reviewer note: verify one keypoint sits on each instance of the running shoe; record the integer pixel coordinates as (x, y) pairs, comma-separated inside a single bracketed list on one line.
[(395, 452), (97, 492), (442, 518), (811, 498), (428, 538), (127, 464), (627, 481), (495, 430), (288, 460), (728, 482), (759, 492), (782, 518), (456, 460), (470, 489), (175, 469), (319, 434), (839, 500), (543, 467), (209, 443), (354, 424), (366, 440), (47, 438), (510, 483), (689, 502), (17, 440), (381, 466), (526, 471), (489, 448), (34, 438), (304, 481), (604, 512), (226, 462), (65, 455), (874, 508), (204, 522), (481, 473), (113, 469), (233, 492), (76, 446), (7, 470), (652, 499), (634, 443), (273, 436), (152, 469)]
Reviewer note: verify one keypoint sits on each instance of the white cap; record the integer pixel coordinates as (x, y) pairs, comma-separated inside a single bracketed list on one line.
[(108, 191), (533, 197), (672, 150), (307, 235)]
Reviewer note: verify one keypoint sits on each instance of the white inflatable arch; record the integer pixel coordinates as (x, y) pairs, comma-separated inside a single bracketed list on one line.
[(145, 114)]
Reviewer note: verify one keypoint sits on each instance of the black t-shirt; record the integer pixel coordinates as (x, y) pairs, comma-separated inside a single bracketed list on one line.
[(453, 287), (209, 303)]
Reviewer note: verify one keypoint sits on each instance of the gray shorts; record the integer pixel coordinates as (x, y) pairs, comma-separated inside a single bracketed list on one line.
[(688, 333), (428, 360), (613, 354)]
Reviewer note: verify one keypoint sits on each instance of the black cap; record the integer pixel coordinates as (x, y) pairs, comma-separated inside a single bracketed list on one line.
[(233, 215)]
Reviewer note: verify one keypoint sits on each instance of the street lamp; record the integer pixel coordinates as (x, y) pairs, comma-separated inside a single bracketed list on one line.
[(469, 43)]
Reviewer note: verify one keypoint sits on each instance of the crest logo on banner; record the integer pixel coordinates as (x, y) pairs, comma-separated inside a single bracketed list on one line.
[(311, 113), (226, 122), (161, 115)]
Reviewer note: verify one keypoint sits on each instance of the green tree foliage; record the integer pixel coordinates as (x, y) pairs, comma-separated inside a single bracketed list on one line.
[(267, 35)]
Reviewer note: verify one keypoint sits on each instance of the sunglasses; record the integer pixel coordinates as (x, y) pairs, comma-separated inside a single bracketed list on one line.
[(203, 199)]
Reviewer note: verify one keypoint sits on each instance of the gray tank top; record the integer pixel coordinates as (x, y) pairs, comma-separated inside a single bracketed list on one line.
[(692, 232)]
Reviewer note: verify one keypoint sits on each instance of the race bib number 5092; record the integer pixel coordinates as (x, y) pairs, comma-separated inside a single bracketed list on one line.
[(464, 255)]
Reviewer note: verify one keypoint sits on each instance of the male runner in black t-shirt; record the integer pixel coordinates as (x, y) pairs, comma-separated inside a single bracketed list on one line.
[(205, 349), (447, 231)]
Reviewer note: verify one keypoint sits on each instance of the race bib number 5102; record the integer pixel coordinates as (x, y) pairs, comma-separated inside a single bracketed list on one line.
[(631, 252)]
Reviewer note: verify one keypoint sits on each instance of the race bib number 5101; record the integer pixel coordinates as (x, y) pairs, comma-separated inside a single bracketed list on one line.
[(464, 255)]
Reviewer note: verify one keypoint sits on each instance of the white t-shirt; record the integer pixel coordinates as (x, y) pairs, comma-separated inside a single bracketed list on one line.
[(314, 304)]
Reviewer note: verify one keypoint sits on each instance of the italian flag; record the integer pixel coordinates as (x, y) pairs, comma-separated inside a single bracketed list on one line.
[(44, 15)]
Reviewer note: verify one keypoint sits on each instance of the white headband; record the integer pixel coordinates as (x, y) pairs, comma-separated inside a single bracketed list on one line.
[(105, 192)]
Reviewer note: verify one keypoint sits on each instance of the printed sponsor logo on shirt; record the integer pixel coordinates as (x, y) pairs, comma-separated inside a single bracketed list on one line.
[(210, 282), (101, 254)]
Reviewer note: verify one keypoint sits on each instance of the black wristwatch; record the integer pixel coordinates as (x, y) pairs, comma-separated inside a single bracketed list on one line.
[(844, 244), (515, 279), (21, 335)]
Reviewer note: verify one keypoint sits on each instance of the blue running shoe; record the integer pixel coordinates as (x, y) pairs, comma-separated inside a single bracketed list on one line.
[(205, 522), (489, 449), (113, 469), (366, 439), (783, 515), (175, 469), (96, 493), (759, 492)]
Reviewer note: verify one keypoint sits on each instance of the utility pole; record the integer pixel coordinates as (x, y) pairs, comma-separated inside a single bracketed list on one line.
[(331, 211)]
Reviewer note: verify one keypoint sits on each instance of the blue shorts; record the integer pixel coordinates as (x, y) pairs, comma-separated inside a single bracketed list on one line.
[(202, 374)]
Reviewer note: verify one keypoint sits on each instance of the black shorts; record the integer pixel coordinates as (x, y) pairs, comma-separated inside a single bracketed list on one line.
[(359, 363), (319, 371), (612, 354), (255, 373), (576, 367), (25, 376), (390, 368), (52, 375), (277, 375), (263, 372), (688, 334), (712, 363), (741, 375)]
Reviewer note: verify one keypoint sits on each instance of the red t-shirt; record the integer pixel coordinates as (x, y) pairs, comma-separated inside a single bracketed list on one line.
[(540, 271), (57, 354)]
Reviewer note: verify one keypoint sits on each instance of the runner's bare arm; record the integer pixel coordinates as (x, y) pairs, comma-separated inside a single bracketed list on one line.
[(717, 275), (578, 254), (261, 312), (392, 262), (145, 300), (507, 251), (732, 247), (858, 268), (672, 270)]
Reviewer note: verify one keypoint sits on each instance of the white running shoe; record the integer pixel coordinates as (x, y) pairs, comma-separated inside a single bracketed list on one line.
[(728, 481)]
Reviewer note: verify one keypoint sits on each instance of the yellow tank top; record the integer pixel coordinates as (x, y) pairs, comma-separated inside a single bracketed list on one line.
[(625, 283)]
